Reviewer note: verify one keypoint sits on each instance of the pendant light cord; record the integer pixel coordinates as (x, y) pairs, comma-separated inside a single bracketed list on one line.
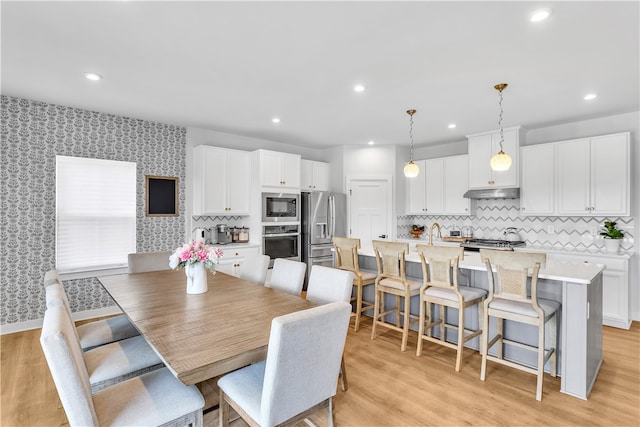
[(411, 113), (500, 122)]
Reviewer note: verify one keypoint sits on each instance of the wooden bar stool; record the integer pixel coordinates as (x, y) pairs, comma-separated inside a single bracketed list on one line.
[(347, 259), (440, 286), (392, 279), (508, 299)]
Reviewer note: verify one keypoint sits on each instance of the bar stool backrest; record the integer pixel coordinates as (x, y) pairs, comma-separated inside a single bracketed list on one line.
[(347, 253), (512, 270), (438, 264), (390, 257)]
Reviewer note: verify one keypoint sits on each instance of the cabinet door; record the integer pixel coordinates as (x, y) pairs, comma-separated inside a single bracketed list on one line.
[(416, 191), (537, 186), (480, 153), (433, 172), (573, 177), (306, 175), (456, 183), (271, 169), (213, 183), (238, 182), (615, 298), (610, 175), (291, 171), (321, 176), (510, 146)]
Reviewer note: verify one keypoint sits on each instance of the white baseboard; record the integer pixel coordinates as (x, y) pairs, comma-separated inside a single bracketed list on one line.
[(37, 323)]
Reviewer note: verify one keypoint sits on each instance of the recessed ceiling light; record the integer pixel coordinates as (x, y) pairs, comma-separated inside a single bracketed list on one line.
[(94, 77), (452, 126), (275, 120), (540, 15), (371, 142), (359, 88), (590, 96)]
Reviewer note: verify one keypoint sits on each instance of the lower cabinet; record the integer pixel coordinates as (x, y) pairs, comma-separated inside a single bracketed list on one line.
[(615, 287), (233, 259)]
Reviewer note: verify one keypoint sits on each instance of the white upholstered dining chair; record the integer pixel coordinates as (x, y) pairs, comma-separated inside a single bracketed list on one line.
[(300, 373), (95, 333), (288, 275), (141, 262), (155, 398), (254, 269), (110, 363), (509, 298)]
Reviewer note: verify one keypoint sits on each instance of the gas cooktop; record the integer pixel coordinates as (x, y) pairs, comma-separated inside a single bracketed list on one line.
[(503, 245)]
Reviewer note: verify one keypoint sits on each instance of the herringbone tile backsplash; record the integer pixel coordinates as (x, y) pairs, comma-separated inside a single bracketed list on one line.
[(493, 216)]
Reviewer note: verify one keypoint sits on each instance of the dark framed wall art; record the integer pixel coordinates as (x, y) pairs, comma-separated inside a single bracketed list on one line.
[(162, 195)]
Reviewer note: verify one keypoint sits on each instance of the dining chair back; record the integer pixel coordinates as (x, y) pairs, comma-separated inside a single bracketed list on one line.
[(510, 298), (288, 275), (346, 250), (254, 269), (440, 287), (155, 398), (141, 262), (392, 280), (91, 334), (300, 373)]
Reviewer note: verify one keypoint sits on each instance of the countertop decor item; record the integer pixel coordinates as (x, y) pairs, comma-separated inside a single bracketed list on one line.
[(416, 230), (196, 258), (612, 236)]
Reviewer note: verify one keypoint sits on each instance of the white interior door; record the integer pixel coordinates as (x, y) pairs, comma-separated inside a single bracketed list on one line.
[(370, 208)]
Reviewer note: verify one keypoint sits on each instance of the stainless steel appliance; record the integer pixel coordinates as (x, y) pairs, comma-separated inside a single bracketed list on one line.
[(201, 235), (502, 245), (280, 207), (281, 241), (223, 233), (324, 215)]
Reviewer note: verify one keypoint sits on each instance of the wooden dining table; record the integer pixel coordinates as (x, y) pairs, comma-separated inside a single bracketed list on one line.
[(201, 336)]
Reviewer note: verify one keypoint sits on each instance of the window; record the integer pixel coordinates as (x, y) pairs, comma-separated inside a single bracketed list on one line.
[(95, 213)]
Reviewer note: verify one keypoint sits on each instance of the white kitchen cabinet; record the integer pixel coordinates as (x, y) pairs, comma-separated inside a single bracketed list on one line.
[(537, 181), (439, 187), (482, 147), (221, 181), (593, 176), (314, 176), (234, 258), (615, 286), (280, 170)]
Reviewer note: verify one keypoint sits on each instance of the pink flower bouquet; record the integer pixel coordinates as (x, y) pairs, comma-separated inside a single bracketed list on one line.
[(191, 253)]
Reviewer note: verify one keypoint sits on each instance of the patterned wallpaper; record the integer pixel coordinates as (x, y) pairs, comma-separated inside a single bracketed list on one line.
[(32, 134), (560, 233)]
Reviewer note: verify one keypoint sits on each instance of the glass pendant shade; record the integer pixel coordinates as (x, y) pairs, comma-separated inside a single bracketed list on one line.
[(500, 162), (411, 170)]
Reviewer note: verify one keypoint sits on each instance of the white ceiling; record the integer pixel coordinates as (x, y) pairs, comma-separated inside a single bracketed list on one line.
[(232, 66)]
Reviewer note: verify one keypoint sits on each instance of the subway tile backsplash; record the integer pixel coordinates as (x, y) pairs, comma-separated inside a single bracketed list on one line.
[(493, 216)]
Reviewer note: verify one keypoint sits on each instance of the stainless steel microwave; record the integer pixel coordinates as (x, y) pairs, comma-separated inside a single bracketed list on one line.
[(280, 207)]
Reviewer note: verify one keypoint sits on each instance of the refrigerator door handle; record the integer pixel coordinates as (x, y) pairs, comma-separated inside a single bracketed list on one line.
[(332, 215)]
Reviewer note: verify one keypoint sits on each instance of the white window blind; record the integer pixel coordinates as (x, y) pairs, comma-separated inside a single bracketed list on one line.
[(95, 213)]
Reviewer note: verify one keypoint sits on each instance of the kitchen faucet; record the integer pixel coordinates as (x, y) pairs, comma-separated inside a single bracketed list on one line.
[(435, 224)]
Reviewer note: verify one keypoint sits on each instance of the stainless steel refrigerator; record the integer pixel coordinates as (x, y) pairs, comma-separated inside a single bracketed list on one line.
[(323, 216)]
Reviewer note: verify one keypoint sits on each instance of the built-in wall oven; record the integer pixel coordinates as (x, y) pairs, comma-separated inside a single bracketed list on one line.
[(280, 207), (281, 241)]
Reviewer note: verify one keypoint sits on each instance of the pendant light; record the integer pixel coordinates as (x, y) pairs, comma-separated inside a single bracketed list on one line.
[(411, 170), (501, 161)]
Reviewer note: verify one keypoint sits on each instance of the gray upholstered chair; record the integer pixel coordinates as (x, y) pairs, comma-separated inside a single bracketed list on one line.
[(95, 333), (328, 285), (288, 276), (109, 363), (300, 373), (254, 269), (155, 398), (440, 286), (510, 299), (141, 262)]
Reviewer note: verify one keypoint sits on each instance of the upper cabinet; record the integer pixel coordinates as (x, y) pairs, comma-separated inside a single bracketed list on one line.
[(537, 181), (280, 170), (314, 176), (482, 147), (439, 187), (221, 181), (593, 176)]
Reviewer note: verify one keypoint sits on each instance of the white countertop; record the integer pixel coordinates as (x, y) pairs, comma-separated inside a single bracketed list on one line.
[(577, 272)]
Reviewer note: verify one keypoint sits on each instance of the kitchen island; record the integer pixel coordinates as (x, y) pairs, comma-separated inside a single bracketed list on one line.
[(576, 286)]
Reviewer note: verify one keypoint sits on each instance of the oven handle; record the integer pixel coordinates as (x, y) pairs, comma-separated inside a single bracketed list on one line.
[(280, 235)]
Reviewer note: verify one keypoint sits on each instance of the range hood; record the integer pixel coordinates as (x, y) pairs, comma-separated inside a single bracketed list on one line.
[(493, 193)]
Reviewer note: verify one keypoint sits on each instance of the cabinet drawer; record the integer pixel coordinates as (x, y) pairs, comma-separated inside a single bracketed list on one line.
[(235, 253)]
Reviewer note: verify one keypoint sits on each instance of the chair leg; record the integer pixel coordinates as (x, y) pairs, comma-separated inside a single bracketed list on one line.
[(376, 310), (356, 327), (223, 413), (483, 331), (421, 326), (343, 374), (429, 317), (460, 336), (443, 330), (540, 360), (405, 326), (484, 347), (500, 332), (553, 339), (330, 413), (397, 311)]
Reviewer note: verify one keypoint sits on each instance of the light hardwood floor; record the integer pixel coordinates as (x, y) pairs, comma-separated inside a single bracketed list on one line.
[(391, 388)]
